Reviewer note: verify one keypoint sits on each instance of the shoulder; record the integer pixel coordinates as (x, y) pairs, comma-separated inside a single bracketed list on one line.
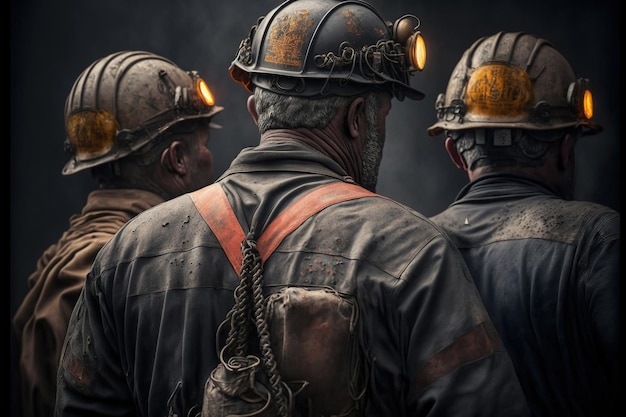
[(377, 209), (164, 227), (385, 222), (576, 218)]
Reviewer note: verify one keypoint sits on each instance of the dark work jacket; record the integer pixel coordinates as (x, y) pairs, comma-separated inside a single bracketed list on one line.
[(548, 272), (142, 339)]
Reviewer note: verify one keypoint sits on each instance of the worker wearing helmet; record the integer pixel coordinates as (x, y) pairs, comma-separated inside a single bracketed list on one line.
[(289, 287), (140, 124), (547, 267)]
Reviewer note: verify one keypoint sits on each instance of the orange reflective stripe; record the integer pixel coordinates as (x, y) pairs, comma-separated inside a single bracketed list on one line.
[(478, 343), (215, 209), (217, 212), (294, 215)]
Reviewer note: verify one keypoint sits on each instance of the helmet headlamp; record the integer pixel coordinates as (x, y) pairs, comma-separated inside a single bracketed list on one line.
[(588, 104), (416, 48), (205, 92), (191, 100), (580, 98), (405, 33)]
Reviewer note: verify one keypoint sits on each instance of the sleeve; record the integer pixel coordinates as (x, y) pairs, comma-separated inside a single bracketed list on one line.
[(599, 295), (90, 380), (601, 279), (466, 371), (454, 361)]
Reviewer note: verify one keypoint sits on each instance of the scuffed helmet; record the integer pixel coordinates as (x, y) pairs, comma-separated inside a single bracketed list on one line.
[(514, 80), (125, 100), (318, 47)]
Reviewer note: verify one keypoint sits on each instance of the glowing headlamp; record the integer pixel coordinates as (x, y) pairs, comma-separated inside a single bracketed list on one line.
[(204, 92), (196, 99), (580, 98), (405, 32)]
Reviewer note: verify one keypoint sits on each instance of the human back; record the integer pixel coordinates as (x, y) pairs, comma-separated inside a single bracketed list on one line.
[(535, 262), (352, 265), (547, 266), (423, 343)]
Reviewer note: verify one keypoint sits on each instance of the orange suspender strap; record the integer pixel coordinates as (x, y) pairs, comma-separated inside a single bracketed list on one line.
[(215, 209)]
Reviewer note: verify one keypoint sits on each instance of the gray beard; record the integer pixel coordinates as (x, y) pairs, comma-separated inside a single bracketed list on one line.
[(372, 149), (372, 155)]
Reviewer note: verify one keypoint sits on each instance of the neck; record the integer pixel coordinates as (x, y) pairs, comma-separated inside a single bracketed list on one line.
[(560, 182), (328, 141)]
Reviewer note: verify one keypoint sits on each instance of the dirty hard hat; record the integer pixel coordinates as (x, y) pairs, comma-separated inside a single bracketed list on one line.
[(319, 47), (125, 100), (514, 80)]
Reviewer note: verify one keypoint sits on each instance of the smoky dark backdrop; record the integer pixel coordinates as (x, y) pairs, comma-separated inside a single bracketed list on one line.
[(52, 42)]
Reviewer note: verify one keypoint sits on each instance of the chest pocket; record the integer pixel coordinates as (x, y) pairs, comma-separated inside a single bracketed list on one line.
[(308, 361)]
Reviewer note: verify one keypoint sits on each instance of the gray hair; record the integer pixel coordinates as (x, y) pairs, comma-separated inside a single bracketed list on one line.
[(277, 111)]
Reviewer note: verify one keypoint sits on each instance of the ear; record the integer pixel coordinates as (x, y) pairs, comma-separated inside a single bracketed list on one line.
[(454, 154), (173, 158), (252, 109), (354, 115)]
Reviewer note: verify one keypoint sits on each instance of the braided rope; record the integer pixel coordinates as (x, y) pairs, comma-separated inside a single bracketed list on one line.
[(253, 270), (238, 317)]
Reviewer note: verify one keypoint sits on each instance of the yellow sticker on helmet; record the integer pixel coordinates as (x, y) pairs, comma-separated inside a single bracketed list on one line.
[(498, 90), (91, 133)]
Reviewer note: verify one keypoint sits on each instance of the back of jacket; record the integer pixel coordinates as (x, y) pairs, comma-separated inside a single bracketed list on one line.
[(548, 272), (142, 340)]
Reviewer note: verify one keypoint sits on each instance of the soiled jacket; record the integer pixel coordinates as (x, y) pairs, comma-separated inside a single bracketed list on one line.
[(41, 320), (142, 339), (548, 272)]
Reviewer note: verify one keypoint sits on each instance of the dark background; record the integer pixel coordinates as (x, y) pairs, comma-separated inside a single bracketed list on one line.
[(52, 42)]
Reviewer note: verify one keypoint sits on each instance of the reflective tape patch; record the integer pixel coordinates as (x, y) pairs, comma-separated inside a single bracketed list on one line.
[(499, 90), (91, 133)]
